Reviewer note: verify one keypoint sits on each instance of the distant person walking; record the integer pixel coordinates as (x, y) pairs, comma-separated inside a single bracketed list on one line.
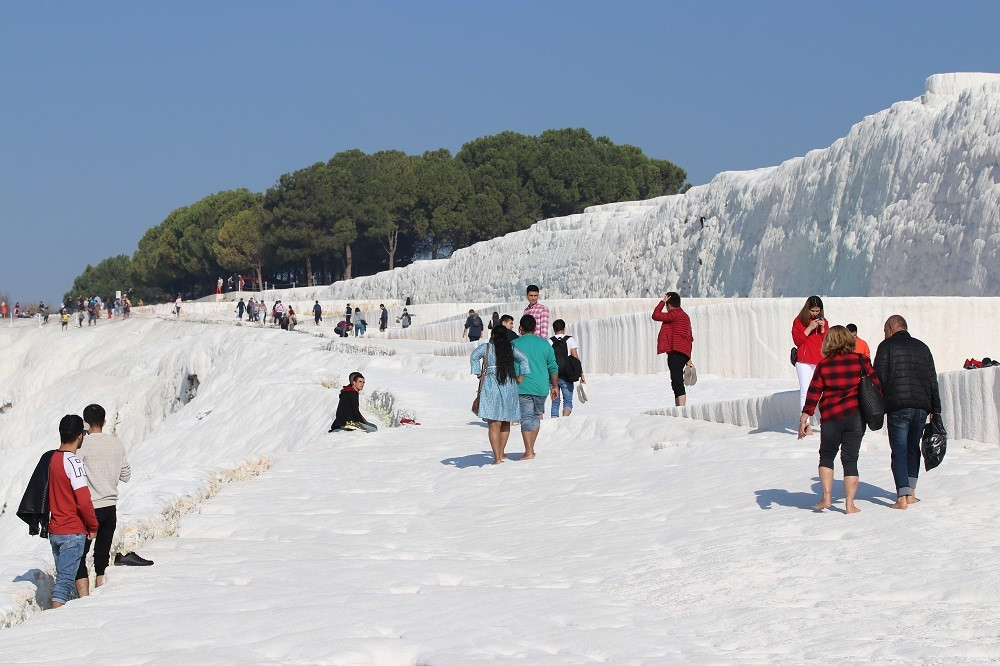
[(499, 404), (348, 312), (404, 319), (538, 312), (909, 381), (383, 318), (177, 304), (240, 308), (808, 331), (540, 381), (570, 371), (107, 464), (318, 313), (834, 387), (860, 345), (3, 309), (349, 415), (675, 340), (494, 321), (473, 326)]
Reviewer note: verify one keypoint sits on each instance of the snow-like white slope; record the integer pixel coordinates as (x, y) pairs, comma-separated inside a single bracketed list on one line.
[(908, 203)]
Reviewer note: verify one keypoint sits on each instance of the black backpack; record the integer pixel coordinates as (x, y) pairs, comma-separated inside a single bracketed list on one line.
[(570, 368)]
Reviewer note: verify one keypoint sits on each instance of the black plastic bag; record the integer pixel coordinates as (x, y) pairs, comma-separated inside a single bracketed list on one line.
[(934, 443)]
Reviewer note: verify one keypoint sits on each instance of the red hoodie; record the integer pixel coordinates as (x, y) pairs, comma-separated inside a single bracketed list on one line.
[(810, 346), (69, 497)]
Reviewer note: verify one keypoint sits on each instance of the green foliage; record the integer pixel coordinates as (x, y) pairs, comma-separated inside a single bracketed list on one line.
[(378, 210), (111, 275)]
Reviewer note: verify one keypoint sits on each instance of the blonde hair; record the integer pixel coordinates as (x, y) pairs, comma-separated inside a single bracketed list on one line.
[(838, 341)]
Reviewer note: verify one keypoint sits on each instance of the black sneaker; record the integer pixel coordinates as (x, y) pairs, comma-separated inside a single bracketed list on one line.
[(130, 559)]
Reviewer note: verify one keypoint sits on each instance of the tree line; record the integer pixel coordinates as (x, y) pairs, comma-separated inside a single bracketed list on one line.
[(358, 214)]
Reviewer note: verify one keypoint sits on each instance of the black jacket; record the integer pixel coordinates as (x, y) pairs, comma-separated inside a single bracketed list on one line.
[(34, 507), (349, 408), (905, 367)]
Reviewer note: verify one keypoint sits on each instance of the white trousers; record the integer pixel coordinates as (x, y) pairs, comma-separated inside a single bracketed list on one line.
[(805, 372)]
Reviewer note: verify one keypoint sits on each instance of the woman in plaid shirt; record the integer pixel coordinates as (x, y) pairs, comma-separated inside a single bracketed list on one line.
[(834, 387)]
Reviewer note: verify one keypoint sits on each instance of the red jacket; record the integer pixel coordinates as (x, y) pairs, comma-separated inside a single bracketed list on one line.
[(675, 332), (810, 346), (834, 386)]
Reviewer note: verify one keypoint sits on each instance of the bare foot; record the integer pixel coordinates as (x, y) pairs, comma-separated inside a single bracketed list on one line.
[(850, 508), (497, 462), (527, 457), (822, 504), (503, 457), (901, 503), (912, 499)]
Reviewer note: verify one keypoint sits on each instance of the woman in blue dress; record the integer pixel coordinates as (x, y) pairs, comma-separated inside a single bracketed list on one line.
[(498, 401)]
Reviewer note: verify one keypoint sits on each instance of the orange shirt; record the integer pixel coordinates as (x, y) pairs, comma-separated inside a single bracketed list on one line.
[(861, 347)]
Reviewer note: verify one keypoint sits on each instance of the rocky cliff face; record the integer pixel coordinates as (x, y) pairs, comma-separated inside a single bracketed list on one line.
[(908, 203)]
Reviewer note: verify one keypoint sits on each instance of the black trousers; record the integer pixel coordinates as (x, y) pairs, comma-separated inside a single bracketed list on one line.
[(844, 434), (107, 521), (676, 362)]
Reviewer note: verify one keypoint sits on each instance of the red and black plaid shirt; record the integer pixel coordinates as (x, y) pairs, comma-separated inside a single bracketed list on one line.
[(834, 386)]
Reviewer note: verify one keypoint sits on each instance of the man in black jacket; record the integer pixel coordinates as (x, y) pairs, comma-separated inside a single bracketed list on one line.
[(905, 367)]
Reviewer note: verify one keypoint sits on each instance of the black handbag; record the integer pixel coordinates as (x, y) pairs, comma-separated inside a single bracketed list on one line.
[(934, 443), (870, 400), (794, 355)]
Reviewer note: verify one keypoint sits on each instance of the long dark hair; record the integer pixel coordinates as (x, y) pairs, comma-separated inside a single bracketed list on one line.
[(812, 302), (503, 352)]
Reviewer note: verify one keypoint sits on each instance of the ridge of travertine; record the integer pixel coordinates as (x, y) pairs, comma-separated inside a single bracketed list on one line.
[(908, 203)]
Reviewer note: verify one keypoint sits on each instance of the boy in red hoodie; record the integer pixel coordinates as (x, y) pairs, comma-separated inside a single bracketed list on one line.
[(73, 520)]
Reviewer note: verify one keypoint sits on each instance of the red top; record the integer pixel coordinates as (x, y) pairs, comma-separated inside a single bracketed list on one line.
[(675, 332), (835, 386), (69, 497), (810, 346)]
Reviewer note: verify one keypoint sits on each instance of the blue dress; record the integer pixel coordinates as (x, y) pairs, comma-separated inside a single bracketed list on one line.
[(498, 402)]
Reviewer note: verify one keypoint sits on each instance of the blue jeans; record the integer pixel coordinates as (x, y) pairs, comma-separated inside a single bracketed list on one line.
[(359, 329), (67, 550), (566, 390), (532, 408), (906, 427)]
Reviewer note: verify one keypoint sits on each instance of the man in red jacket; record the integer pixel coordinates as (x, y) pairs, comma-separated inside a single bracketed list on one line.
[(73, 518), (675, 341)]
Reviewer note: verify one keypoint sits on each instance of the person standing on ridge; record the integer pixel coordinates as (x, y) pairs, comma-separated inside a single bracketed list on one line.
[(240, 307), (542, 380), (538, 312), (860, 345), (474, 326), (318, 313), (383, 318), (348, 313), (905, 366), (404, 319), (177, 304), (808, 331), (106, 463), (675, 340)]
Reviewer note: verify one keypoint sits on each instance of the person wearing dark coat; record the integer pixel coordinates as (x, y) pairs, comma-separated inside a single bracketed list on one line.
[(34, 507), (474, 326), (349, 415), (905, 367), (318, 313)]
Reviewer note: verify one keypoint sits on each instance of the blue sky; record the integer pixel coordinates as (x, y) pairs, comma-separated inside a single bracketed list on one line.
[(114, 114)]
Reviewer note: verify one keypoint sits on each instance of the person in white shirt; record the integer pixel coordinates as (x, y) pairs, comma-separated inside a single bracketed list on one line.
[(564, 347), (104, 457)]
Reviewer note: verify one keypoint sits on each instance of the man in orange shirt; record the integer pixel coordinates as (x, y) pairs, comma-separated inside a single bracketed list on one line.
[(860, 345)]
